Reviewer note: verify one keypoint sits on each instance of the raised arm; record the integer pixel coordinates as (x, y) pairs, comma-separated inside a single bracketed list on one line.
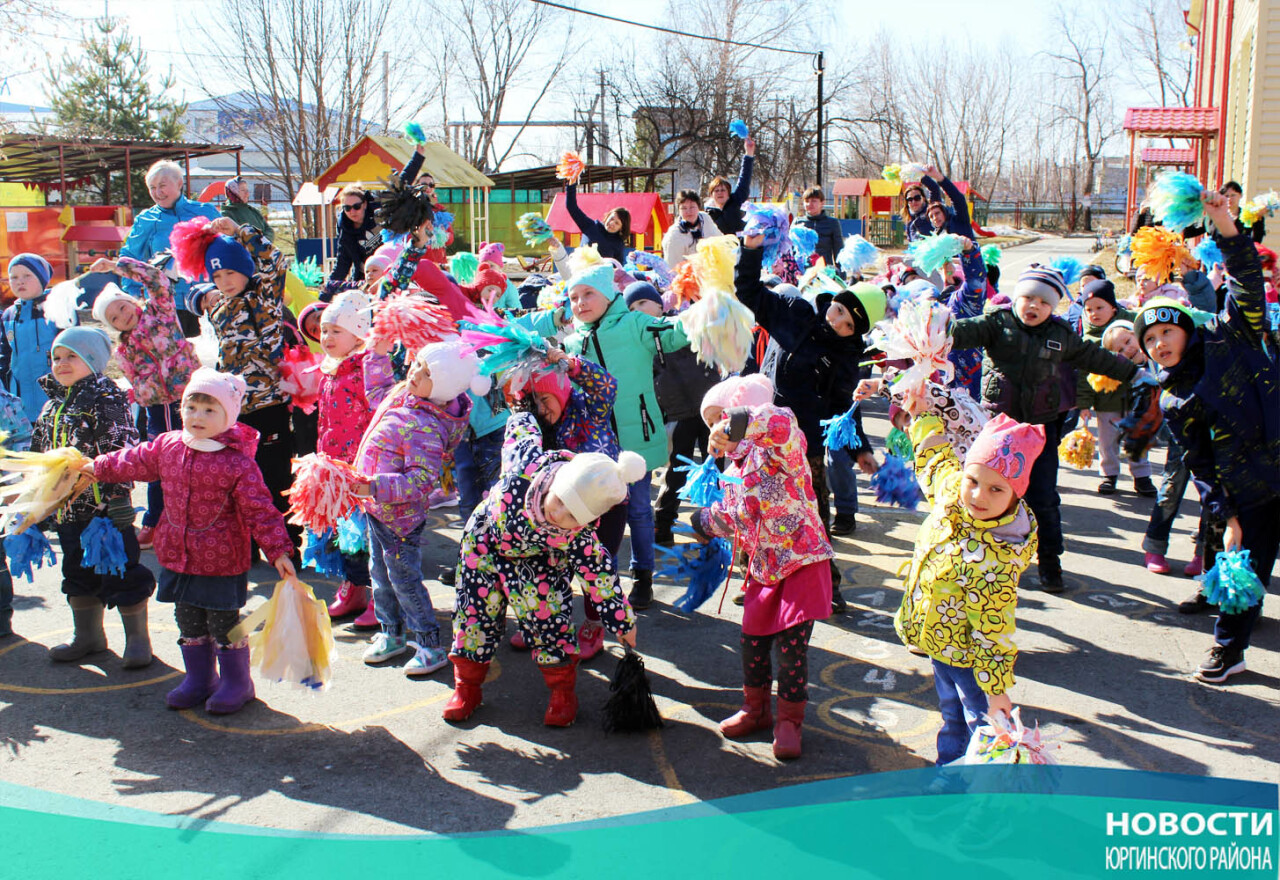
[(592, 229)]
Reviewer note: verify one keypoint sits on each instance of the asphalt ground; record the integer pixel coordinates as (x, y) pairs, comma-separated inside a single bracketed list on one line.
[(1104, 669)]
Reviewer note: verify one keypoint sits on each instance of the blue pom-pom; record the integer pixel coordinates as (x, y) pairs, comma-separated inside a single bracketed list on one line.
[(394, 238), (352, 533), (414, 132), (704, 486), (321, 553), (103, 547), (841, 432), (856, 253), (1175, 200), (739, 129), (27, 552), (1208, 253), (895, 484), (442, 220), (771, 222), (1232, 584), (705, 566), (1070, 268), (1125, 245)]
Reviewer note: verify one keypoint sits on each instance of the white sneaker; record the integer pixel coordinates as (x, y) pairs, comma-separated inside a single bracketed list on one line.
[(383, 647), (425, 660)]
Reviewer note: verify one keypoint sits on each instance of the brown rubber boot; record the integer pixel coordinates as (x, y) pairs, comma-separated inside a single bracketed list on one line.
[(89, 637)]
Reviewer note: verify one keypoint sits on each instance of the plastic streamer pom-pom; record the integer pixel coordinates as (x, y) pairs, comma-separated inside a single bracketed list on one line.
[(991, 255), (1077, 448), (803, 242), (295, 644), (352, 533), (647, 262), (514, 353), (63, 300), (898, 442), (47, 481), (856, 253), (570, 166), (1232, 584), (27, 551), (414, 133), (300, 377), (930, 252), (103, 547), (411, 320), (895, 484), (892, 173), (1208, 253), (704, 486), (703, 566), (1157, 251), (920, 334), (535, 229), (685, 284), (719, 330), (1069, 267), (630, 706), (1103, 384), (308, 271), (739, 129), (320, 552), (463, 267), (1005, 740), (770, 221), (323, 492), (911, 172), (1175, 200), (841, 432)]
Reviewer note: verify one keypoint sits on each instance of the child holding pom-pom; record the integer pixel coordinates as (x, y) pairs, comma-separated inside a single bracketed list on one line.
[(16, 429), (88, 411), (217, 503), (772, 513), (1220, 383), (961, 589), (526, 544), (416, 427)]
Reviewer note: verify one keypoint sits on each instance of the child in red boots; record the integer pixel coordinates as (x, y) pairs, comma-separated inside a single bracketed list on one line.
[(217, 501), (773, 513)]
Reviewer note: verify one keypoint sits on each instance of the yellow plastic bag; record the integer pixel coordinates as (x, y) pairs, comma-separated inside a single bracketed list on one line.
[(1076, 449), (295, 644), (45, 481)]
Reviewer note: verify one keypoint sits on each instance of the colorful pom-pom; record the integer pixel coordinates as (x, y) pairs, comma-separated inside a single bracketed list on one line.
[(47, 481), (930, 252), (189, 240), (892, 173), (703, 566), (570, 166), (705, 484), (103, 547), (921, 334), (414, 133), (323, 492), (685, 284), (1077, 448), (911, 172), (895, 484), (1069, 267), (300, 377), (308, 271), (1232, 584), (411, 320), (1157, 252), (715, 260), (898, 442), (1102, 384), (514, 354), (770, 221), (648, 262), (719, 328), (803, 242), (1208, 253), (739, 129), (841, 432), (991, 255), (27, 551), (463, 267), (856, 253), (353, 533), (535, 229), (320, 551), (1175, 200), (1125, 244)]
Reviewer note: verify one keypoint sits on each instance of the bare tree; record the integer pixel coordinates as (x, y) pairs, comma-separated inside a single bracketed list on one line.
[(1152, 38)]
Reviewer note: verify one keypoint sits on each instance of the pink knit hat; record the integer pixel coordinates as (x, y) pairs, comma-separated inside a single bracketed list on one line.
[(753, 390), (554, 382), (1008, 447), (491, 252), (226, 388)]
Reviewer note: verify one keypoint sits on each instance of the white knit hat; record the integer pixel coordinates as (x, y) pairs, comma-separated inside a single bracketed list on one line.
[(591, 483), (349, 310), (454, 369), (109, 294), (226, 388)]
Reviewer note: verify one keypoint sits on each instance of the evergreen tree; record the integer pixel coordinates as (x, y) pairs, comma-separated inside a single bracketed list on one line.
[(103, 90)]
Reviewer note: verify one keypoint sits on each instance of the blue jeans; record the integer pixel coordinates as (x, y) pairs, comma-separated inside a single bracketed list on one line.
[(962, 703), (400, 599), (161, 418), (640, 520), (477, 462), (843, 481)]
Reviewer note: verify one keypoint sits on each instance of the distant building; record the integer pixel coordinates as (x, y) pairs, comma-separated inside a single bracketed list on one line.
[(661, 131), (24, 117)]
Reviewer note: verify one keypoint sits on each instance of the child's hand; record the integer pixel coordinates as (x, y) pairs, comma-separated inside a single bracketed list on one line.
[(752, 241), (284, 568), (628, 638), (1234, 537), (1215, 208), (1217, 275), (966, 244), (867, 462), (749, 146), (556, 355), (383, 347), (364, 490), (1000, 703), (868, 388), (932, 172), (720, 442), (1085, 415), (102, 264), (86, 469), (224, 226)]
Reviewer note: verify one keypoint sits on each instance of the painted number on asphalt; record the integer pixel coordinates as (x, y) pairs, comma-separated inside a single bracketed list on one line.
[(872, 618), (876, 598), (1111, 601), (885, 678)]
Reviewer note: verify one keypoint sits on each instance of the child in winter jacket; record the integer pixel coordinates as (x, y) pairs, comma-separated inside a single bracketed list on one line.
[(28, 334), (1221, 382), (17, 437), (414, 430), (344, 414), (961, 589), (1026, 347), (88, 411), (623, 343), (154, 355), (772, 513), (526, 544), (217, 503)]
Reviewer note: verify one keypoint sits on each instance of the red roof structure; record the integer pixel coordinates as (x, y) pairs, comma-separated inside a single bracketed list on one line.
[(649, 215), (1168, 156), (850, 186), (1171, 121)]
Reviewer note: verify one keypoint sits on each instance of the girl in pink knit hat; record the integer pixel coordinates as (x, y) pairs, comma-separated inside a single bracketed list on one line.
[(962, 586)]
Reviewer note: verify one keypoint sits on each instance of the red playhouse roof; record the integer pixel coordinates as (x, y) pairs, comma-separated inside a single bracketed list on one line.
[(851, 186), (109, 236), (963, 186), (1171, 121), (1168, 156), (646, 210)]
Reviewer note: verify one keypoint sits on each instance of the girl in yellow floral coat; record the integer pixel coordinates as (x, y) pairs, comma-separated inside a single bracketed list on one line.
[(962, 588)]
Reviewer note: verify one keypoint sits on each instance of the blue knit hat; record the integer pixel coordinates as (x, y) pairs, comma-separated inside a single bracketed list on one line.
[(637, 291), (598, 277), (224, 252), (38, 265), (91, 345), (1042, 282)]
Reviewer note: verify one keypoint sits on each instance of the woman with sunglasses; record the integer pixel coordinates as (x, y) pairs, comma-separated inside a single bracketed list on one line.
[(358, 232), (917, 197)]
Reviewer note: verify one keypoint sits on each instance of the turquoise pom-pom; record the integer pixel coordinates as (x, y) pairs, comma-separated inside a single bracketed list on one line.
[(1208, 253), (930, 252), (991, 255), (704, 486), (28, 551), (1232, 584), (895, 484), (352, 531), (899, 443), (1175, 200), (739, 129), (1070, 268), (308, 272), (856, 253), (841, 432), (463, 266), (321, 553), (705, 566), (535, 229)]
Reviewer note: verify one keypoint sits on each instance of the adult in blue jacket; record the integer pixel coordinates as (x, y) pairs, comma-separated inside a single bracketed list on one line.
[(725, 207), (611, 236), (152, 227)]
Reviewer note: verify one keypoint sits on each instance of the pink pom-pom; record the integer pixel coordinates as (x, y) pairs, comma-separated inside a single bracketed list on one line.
[(411, 320), (570, 166), (300, 377), (189, 240), (324, 491)]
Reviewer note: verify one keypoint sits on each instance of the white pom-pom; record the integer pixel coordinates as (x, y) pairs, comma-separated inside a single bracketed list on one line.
[(631, 466), (61, 304), (480, 385)]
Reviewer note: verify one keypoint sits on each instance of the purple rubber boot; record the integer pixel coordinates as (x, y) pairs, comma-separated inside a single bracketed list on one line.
[(201, 680), (237, 686)]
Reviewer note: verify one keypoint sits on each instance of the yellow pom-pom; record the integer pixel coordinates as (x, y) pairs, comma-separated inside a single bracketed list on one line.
[(1103, 384), (1077, 448), (1157, 252), (715, 261)]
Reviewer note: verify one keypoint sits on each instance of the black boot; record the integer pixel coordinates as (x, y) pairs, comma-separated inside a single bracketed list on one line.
[(663, 535), (641, 595), (1051, 575), (838, 604)]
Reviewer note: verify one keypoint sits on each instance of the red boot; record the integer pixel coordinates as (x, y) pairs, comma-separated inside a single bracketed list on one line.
[(563, 705), (350, 600), (754, 714), (368, 619), (786, 735), (468, 676)]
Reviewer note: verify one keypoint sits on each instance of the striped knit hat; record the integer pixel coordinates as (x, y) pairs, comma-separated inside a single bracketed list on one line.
[(1043, 282)]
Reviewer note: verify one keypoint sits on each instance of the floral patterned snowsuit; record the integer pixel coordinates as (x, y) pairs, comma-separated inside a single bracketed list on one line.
[(510, 553)]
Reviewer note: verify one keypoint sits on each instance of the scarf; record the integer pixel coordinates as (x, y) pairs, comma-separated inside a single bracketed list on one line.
[(206, 444)]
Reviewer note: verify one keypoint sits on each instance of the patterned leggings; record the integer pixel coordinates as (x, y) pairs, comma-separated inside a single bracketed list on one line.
[(793, 661), (195, 623)]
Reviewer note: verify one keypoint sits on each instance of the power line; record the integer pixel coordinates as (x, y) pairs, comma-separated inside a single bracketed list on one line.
[(654, 27)]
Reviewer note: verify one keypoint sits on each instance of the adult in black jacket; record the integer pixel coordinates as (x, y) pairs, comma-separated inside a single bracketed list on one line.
[(358, 232), (725, 207), (830, 239), (611, 236)]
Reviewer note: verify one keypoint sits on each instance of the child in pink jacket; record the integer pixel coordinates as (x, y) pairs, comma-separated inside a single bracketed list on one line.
[(774, 515), (217, 503)]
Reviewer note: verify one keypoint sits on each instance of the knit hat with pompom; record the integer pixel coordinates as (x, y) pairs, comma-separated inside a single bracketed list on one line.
[(454, 369), (591, 483)]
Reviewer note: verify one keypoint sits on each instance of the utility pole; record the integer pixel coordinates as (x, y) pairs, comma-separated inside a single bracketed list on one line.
[(818, 65), (386, 94)]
